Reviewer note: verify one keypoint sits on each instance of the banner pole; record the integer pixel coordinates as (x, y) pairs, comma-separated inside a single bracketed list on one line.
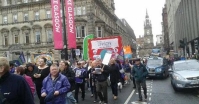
[(64, 32)]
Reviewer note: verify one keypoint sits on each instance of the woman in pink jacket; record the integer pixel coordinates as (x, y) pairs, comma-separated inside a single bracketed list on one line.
[(21, 71)]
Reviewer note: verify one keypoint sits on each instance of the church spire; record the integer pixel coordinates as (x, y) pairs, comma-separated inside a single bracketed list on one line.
[(147, 16)]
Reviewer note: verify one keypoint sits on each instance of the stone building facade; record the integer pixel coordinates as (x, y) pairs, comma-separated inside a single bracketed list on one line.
[(165, 31), (186, 26), (26, 26), (147, 45)]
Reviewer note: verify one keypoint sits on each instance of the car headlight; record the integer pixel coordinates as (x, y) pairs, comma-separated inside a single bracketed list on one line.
[(158, 69), (178, 77)]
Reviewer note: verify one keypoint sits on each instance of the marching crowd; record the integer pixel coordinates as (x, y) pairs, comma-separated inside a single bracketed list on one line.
[(55, 83)]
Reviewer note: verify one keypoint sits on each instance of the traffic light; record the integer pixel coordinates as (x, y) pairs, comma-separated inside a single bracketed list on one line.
[(182, 44)]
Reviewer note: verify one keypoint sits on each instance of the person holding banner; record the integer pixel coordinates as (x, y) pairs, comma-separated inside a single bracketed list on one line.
[(101, 77), (80, 75)]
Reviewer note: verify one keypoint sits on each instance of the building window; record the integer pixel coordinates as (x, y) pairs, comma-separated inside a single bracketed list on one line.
[(99, 31), (38, 37), (36, 0), (5, 40), (37, 15), (78, 11), (148, 40), (80, 31), (27, 38), (16, 38), (48, 14), (5, 20), (15, 18), (5, 3), (83, 31), (25, 16), (49, 36), (25, 1), (83, 10), (14, 2)]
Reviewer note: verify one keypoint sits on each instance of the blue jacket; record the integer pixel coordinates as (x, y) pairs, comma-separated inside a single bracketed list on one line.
[(139, 72), (127, 68), (61, 84)]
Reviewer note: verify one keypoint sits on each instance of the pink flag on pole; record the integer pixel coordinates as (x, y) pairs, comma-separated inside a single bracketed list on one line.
[(57, 25), (71, 32)]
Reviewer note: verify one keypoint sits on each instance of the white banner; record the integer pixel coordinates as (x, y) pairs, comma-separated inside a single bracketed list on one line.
[(77, 51), (107, 58), (107, 43)]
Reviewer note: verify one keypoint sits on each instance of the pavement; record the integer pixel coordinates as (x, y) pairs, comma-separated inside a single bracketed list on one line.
[(159, 91)]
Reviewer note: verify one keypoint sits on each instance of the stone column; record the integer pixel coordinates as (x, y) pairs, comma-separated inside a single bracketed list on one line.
[(43, 36), (32, 36)]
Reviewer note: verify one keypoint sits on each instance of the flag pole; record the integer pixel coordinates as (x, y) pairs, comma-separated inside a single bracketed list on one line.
[(64, 32)]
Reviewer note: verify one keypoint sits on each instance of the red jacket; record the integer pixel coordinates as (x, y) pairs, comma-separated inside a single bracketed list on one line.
[(30, 83)]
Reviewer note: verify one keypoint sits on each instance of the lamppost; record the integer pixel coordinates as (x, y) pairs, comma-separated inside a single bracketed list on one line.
[(64, 32)]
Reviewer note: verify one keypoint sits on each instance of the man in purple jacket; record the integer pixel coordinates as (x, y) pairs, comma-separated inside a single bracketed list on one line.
[(55, 86)]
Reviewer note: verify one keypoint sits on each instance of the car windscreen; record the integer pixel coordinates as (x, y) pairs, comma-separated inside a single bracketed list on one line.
[(154, 62), (186, 66)]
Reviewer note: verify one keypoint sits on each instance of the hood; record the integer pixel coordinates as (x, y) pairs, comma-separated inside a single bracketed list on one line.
[(153, 66), (188, 73)]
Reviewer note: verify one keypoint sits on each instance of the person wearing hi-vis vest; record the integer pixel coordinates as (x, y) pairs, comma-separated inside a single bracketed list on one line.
[(80, 75)]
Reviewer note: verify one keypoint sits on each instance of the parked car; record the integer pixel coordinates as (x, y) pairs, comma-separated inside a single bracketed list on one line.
[(184, 74), (157, 67)]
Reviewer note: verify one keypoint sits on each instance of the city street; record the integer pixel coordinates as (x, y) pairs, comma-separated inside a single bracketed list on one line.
[(160, 91)]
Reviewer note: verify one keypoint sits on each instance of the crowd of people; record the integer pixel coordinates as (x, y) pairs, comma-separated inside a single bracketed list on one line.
[(55, 83)]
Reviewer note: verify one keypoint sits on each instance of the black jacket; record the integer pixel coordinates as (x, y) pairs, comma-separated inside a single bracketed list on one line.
[(15, 89), (92, 76), (70, 74), (103, 77), (31, 73), (114, 73)]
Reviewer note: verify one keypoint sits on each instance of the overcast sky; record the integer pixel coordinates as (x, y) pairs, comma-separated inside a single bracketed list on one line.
[(134, 11)]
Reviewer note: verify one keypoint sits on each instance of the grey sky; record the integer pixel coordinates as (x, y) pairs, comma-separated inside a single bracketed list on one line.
[(134, 12)]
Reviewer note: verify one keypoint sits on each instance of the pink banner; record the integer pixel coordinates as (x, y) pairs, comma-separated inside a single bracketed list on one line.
[(70, 24), (57, 25)]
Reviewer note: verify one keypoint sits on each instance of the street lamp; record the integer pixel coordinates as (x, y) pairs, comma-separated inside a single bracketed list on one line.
[(64, 32)]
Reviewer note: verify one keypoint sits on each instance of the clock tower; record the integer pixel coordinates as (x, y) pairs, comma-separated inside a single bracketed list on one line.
[(148, 35)]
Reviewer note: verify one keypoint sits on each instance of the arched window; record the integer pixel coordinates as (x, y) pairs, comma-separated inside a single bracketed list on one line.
[(37, 37), (27, 38), (5, 40), (49, 35), (37, 33)]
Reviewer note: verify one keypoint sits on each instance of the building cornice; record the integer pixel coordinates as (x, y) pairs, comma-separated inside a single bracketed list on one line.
[(24, 4)]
